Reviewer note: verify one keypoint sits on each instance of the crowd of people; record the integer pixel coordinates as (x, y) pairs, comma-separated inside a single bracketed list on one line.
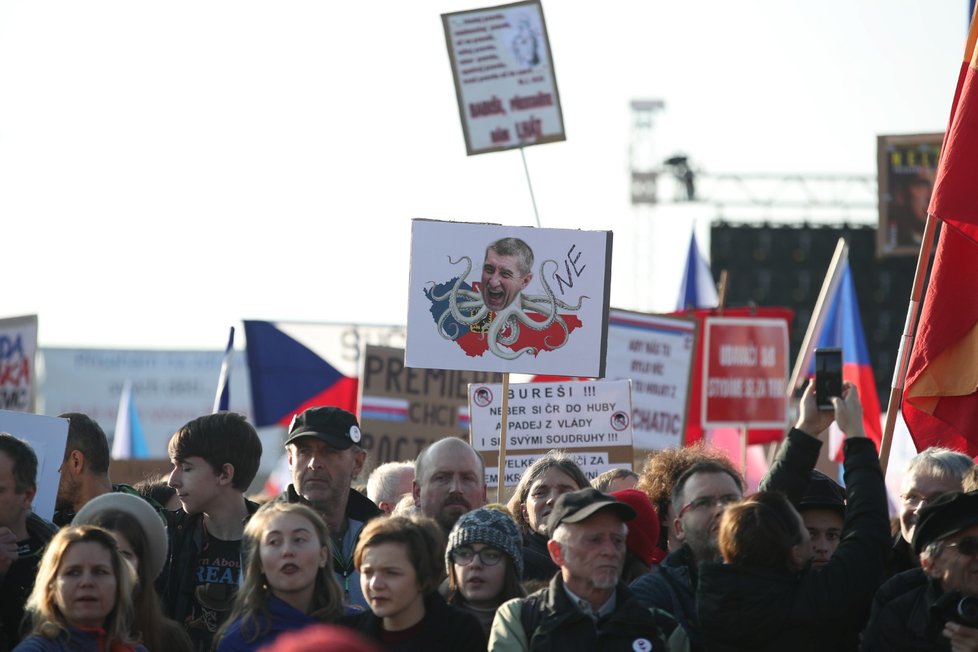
[(675, 557)]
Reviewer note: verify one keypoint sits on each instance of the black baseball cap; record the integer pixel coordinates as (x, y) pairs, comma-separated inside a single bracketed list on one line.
[(823, 493), (575, 506), (333, 425), (948, 514)]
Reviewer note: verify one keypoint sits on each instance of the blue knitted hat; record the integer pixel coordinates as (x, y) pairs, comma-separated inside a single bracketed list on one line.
[(488, 526)]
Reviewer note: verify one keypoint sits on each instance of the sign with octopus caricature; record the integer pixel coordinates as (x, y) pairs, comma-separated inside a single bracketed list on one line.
[(489, 297)]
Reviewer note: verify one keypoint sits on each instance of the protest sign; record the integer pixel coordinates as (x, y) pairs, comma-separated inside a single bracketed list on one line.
[(656, 353), (403, 409), (47, 436), (589, 419), (745, 372), (18, 345), (537, 302), (907, 169), (504, 77)]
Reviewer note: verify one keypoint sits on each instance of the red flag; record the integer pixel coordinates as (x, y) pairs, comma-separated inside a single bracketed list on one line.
[(940, 402)]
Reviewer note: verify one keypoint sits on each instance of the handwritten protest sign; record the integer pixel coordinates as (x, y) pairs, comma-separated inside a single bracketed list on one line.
[(745, 372), (18, 345), (589, 419), (504, 77), (403, 409), (656, 353), (487, 297)]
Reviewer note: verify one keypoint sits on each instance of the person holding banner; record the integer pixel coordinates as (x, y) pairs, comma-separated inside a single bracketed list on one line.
[(765, 595)]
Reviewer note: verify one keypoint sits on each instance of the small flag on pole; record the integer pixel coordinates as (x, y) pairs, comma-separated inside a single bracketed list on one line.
[(697, 289), (223, 395), (128, 442)]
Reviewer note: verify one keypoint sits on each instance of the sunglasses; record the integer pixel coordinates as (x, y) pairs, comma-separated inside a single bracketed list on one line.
[(967, 546), (487, 556)]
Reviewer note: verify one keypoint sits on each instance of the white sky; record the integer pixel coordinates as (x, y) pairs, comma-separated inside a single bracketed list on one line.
[(170, 168)]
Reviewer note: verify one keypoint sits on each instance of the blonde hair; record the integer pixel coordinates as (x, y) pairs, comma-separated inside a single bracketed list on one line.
[(47, 619), (252, 598)]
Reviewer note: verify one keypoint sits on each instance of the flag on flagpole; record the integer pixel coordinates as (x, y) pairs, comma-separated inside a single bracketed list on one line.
[(940, 403), (223, 396), (128, 442), (289, 372), (697, 289), (843, 328)]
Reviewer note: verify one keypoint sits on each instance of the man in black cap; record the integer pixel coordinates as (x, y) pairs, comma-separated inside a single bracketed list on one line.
[(325, 458), (585, 607), (934, 607)]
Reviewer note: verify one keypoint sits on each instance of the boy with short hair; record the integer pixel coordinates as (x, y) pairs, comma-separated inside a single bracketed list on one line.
[(215, 457)]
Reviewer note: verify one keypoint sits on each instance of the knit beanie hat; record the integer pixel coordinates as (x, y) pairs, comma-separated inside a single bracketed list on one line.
[(643, 530), (488, 526)]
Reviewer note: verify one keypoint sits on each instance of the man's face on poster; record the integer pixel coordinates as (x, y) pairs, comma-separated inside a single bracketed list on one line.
[(502, 280)]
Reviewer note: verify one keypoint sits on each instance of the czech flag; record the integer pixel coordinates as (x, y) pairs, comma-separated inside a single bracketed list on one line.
[(697, 289), (128, 440), (289, 373), (843, 328), (223, 394)]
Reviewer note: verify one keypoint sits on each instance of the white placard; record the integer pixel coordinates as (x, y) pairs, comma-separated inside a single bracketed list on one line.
[(504, 77), (543, 311), (656, 353), (47, 436)]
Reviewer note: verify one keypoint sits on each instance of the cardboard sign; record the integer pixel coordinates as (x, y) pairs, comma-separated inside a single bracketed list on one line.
[(18, 345), (745, 373), (589, 419), (402, 409), (656, 353), (504, 77), (907, 169), (487, 297), (47, 436)]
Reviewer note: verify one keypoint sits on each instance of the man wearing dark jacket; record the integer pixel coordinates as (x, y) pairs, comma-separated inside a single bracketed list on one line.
[(934, 607), (700, 495), (325, 457), (757, 602), (585, 607)]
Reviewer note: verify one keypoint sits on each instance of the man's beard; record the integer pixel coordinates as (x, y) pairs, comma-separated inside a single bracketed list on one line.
[(446, 518)]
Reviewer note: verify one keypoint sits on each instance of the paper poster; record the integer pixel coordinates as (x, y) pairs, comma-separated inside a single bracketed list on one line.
[(18, 346), (504, 77), (907, 169), (588, 419), (47, 436), (487, 297)]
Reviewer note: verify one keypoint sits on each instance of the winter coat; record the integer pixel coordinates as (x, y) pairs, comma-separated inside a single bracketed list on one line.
[(758, 610), (74, 640), (548, 621), (672, 587)]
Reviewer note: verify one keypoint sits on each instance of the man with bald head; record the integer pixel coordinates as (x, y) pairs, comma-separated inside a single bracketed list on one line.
[(449, 481)]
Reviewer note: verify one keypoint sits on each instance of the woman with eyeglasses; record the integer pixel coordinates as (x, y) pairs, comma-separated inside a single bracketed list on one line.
[(401, 564), (484, 563), (765, 595)]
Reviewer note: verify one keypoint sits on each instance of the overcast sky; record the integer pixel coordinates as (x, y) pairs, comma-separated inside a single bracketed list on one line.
[(168, 169)]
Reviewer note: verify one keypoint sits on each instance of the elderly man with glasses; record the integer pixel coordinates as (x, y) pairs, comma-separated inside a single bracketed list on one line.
[(699, 496), (934, 607)]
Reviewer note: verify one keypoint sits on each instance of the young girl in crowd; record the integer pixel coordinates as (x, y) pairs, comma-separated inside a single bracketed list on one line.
[(400, 561), (141, 539), (81, 598), (555, 473), (485, 564), (288, 578)]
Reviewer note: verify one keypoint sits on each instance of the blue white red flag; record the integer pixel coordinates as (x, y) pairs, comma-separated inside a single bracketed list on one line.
[(289, 373), (129, 441), (843, 328), (223, 395), (697, 289)]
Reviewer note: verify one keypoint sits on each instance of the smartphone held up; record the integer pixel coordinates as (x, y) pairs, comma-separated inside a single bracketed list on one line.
[(828, 376)]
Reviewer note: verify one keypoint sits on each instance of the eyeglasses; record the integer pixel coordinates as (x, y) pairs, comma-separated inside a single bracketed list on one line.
[(487, 556), (706, 502), (967, 546), (916, 500)]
